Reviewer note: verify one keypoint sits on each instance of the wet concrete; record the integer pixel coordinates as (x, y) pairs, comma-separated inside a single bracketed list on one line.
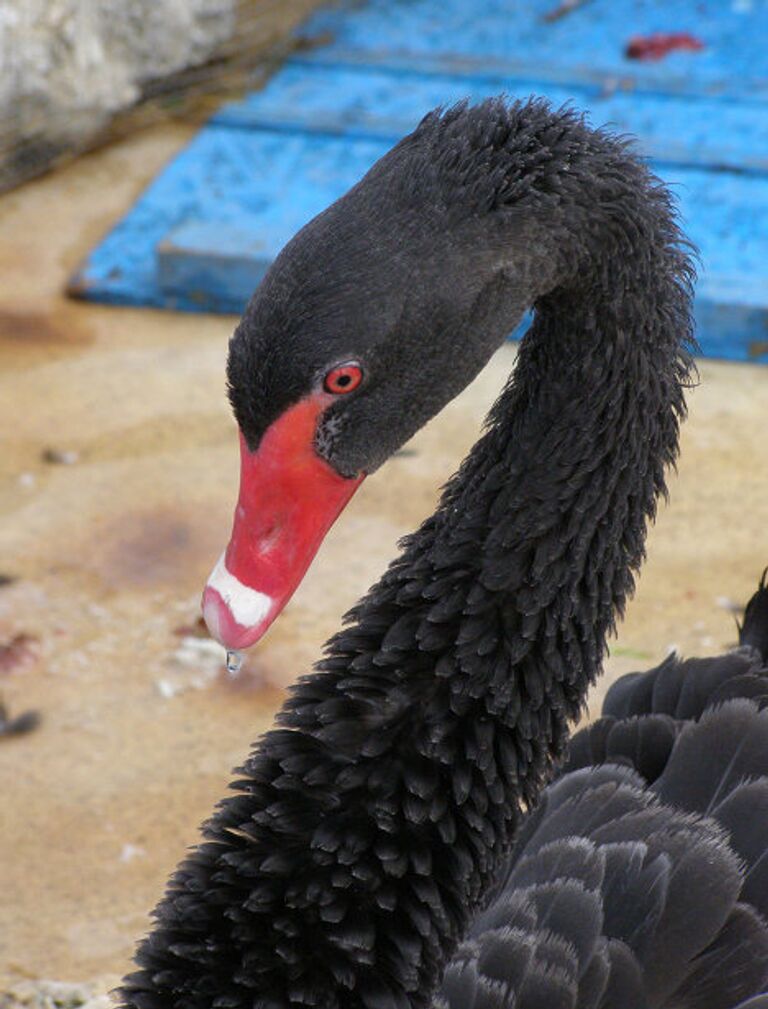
[(140, 724)]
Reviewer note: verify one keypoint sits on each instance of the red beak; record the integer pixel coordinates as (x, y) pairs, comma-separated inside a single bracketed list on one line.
[(289, 499)]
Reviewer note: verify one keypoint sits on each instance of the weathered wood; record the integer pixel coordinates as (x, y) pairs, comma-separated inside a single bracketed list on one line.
[(202, 235), (587, 47)]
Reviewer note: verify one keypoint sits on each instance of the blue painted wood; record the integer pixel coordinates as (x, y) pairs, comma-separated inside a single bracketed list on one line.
[(197, 257), (205, 258), (263, 183), (203, 233), (386, 104), (231, 185), (509, 38)]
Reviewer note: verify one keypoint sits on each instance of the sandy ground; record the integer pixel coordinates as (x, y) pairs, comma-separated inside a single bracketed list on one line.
[(140, 727)]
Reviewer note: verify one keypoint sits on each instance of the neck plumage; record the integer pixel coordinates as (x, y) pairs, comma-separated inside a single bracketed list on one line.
[(366, 827)]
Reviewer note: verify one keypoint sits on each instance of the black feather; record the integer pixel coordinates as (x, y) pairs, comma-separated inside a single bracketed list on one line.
[(753, 633), (733, 967), (643, 743), (712, 757), (392, 832), (744, 814)]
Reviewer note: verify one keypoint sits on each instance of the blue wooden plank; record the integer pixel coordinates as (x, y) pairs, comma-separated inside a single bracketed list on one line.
[(231, 188), (385, 104), (509, 38), (263, 183), (219, 267), (734, 332), (204, 232)]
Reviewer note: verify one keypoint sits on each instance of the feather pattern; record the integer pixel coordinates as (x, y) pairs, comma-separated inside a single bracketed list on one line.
[(668, 834), (390, 833)]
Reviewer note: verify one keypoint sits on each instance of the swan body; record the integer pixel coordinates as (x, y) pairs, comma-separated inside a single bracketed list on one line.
[(368, 829), (641, 878)]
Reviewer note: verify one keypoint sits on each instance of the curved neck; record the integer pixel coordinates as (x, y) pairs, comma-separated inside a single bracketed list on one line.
[(365, 829)]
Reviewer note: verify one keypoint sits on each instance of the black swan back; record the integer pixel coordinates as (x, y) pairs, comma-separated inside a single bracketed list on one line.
[(641, 879)]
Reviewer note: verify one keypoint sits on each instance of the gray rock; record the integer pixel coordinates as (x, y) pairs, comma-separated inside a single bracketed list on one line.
[(68, 66), (54, 995)]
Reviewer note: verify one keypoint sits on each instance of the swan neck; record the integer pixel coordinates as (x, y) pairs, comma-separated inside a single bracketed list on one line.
[(366, 828)]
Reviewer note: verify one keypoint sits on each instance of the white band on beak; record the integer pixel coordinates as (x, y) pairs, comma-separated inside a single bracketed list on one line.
[(248, 606)]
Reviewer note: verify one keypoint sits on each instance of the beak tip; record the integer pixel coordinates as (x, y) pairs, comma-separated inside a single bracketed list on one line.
[(235, 625), (212, 605)]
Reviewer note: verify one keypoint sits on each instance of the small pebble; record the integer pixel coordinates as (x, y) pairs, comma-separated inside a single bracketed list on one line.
[(131, 851), (53, 995), (60, 457), (725, 603), (167, 689), (18, 726), (196, 652), (195, 665)]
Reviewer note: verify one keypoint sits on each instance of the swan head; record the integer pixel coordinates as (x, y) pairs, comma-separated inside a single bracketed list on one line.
[(373, 317)]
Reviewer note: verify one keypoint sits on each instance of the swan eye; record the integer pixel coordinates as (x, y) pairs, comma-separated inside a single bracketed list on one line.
[(343, 378)]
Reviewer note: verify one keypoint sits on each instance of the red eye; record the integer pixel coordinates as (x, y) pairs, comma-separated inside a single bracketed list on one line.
[(344, 378)]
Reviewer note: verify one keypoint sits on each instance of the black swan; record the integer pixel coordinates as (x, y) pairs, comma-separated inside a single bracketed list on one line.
[(367, 832), (640, 880)]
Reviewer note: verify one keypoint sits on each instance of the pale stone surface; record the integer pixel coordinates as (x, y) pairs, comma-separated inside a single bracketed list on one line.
[(67, 66), (58, 995), (111, 553)]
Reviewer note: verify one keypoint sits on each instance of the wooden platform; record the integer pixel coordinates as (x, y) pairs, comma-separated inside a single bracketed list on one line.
[(204, 232)]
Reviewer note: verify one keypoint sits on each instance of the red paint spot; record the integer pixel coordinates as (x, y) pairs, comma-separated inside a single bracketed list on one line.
[(18, 653), (659, 44)]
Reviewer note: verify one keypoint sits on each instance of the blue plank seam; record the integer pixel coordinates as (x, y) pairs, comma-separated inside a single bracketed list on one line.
[(385, 104), (586, 46), (203, 233)]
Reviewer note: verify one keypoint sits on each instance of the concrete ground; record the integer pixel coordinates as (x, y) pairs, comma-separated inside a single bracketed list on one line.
[(110, 546)]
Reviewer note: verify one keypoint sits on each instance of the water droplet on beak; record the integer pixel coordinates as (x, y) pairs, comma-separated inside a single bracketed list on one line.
[(234, 662)]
